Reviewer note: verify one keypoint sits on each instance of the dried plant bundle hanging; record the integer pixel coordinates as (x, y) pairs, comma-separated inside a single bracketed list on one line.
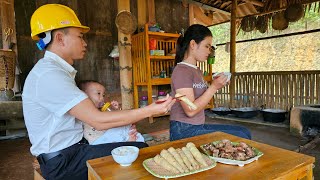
[(262, 24), (294, 12), (248, 23), (279, 22)]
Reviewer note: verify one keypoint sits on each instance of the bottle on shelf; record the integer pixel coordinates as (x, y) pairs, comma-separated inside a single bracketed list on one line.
[(143, 102), (162, 94), (163, 74)]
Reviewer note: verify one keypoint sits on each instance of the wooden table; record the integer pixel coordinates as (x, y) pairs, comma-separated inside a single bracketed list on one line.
[(276, 163)]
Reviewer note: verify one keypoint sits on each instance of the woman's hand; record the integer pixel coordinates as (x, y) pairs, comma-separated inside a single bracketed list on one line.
[(220, 81)]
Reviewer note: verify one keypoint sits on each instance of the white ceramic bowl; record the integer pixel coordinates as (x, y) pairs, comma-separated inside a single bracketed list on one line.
[(125, 155), (228, 74)]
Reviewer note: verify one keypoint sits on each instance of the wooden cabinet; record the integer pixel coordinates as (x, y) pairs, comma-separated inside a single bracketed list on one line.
[(147, 68)]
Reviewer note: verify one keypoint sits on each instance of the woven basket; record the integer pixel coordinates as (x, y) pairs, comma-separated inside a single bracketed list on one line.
[(294, 12), (262, 24), (7, 69), (248, 23), (126, 22), (279, 22)]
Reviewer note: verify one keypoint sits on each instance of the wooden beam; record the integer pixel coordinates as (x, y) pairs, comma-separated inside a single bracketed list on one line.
[(125, 61), (255, 2), (233, 35), (276, 36), (191, 15), (204, 6), (151, 12), (142, 13), (200, 16)]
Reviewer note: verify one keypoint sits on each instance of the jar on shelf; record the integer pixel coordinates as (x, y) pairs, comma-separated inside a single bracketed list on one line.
[(143, 102), (154, 98), (162, 94), (163, 74)]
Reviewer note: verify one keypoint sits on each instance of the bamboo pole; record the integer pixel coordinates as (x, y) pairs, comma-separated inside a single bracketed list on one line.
[(8, 23), (125, 62), (142, 13), (233, 49), (151, 12)]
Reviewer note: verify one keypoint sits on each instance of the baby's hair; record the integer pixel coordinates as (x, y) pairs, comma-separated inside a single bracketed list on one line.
[(83, 84)]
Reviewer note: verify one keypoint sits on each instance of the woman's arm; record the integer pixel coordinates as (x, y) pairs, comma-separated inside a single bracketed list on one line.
[(202, 101)]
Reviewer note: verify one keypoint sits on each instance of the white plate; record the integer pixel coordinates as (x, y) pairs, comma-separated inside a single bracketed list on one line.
[(225, 73), (158, 171), (234, 162)]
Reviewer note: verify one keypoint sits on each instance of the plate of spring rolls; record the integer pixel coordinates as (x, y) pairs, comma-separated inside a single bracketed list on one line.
[(233, 153), (173, 163)]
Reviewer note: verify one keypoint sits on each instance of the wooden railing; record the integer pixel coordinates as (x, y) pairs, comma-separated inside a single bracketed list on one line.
[(282, 90)]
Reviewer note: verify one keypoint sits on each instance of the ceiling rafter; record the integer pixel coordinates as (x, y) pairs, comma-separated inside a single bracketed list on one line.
[(255, 2), (205, 6)]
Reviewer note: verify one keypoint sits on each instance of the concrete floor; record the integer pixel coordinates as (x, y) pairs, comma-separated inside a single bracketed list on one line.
[(16, 160)]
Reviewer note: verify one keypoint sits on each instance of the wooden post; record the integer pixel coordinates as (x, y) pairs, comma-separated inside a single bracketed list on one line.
[(8, 24), (191, 15), (142, 13), (151, 12), (233, 50), (125, 62), (9, 35)]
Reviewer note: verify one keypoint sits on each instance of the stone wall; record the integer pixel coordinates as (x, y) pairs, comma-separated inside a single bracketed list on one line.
[(293, 53)]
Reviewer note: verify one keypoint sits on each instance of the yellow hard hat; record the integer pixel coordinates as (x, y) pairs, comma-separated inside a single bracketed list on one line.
[(53, 16)]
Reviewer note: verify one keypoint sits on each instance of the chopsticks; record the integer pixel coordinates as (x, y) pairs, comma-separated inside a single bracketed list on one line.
[(177, 98)]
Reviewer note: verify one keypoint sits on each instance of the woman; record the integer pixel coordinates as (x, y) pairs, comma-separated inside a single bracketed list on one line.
[(187, 79)]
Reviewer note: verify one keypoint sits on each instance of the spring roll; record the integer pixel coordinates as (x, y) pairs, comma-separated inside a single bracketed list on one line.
[(187, 101), (165, 164), (190, 158), (176, 155), (167, 156), (185, 159), (196, 154)]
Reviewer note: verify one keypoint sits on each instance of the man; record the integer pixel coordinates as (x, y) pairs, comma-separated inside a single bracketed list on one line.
[(52, 102)]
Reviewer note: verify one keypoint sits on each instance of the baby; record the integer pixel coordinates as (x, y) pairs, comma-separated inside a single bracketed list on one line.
[(96, 92)]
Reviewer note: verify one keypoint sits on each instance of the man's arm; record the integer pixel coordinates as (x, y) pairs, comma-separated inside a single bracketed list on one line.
[(88, 113)]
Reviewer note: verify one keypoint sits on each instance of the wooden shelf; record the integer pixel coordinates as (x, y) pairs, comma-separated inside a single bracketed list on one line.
[(162, 57), (163, 36)]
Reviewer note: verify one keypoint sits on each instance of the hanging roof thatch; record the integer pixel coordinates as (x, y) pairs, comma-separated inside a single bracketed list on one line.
[(220, 10)]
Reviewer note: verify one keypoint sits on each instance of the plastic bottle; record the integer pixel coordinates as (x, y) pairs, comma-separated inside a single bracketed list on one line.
[(143, 101)]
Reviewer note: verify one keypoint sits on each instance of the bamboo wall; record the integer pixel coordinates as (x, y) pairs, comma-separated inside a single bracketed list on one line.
[(281, 89)]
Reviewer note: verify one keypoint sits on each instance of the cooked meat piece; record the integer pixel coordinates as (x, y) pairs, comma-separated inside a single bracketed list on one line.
[(229, 148), (242, 144), (250, 152), (219, 145), (240, 156), (215, 152), (226, 141), (225, 155), (240, 149)]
